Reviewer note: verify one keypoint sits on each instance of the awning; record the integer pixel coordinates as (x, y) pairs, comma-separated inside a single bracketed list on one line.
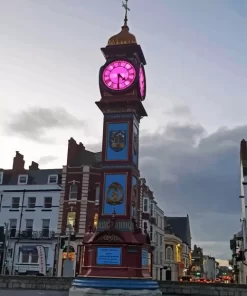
[(28, 249)]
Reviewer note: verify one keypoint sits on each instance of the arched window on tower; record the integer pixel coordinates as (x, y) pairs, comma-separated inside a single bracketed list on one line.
[(73, 191), (169, 254)]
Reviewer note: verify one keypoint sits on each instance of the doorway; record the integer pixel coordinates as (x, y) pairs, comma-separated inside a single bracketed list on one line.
[(168, 275)]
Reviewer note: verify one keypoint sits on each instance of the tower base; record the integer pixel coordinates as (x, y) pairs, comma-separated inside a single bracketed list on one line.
[(83, 286)]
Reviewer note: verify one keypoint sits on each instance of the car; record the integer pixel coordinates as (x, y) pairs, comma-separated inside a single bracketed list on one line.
[(201, 280), (186, 278)]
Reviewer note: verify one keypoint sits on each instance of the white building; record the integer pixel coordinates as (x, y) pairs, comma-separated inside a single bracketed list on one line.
[(173, 255), (29, 204), (153, 216), (209, 267)]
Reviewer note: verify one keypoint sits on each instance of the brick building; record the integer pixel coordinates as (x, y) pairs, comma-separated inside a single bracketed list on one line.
[(79, 200)]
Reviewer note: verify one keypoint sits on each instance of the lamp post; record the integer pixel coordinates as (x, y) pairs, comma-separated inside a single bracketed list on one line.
[(5, 247)]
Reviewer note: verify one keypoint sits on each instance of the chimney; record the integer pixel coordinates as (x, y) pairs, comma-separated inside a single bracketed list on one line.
[(18, 162), (81, 146), (34, 166), (72, 150)]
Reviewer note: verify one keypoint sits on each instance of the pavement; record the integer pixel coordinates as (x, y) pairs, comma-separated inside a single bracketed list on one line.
[(32, 293)]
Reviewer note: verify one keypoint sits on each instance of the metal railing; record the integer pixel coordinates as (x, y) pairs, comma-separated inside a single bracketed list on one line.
[(32, 234)]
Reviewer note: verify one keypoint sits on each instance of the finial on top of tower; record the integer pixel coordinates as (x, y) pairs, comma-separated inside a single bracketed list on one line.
[(126, 7), (124, 37)]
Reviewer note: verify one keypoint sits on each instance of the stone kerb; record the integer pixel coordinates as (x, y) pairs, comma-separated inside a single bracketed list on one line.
[(35, 283), (202, 289)]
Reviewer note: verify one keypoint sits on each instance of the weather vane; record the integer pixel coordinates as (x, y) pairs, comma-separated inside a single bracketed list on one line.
[(125, 6)]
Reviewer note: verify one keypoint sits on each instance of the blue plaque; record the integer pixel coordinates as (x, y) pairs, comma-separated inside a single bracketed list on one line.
[(108, 256), (144, 257)]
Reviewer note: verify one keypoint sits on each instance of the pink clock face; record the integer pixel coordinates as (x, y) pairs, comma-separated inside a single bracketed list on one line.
[(119, 75), (142, 82)]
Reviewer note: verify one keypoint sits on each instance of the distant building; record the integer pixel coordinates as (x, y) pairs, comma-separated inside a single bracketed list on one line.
[(153, 216), (173, 248), (196, 268), (29, 204), (180, 226), (209, 267)]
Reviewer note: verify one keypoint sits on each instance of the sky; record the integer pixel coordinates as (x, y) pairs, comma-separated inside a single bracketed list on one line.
[(196, 96)]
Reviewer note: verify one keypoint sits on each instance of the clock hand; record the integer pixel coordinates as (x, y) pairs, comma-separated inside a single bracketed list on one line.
[(118, 76)]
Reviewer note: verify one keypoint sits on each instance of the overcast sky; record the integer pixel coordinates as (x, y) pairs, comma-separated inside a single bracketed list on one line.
[(196, 100)]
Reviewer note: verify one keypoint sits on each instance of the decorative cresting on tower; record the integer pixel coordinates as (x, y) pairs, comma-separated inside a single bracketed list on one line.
[(118, 254)]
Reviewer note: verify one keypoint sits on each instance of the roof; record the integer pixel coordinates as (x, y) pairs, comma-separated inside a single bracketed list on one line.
[(79, 156), (180, 226), (35, 177)]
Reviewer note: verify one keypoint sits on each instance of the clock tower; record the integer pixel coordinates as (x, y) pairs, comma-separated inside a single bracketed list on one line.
[(118, 254)]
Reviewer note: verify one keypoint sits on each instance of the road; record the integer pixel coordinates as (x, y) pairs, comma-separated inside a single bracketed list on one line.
[(31, 293)]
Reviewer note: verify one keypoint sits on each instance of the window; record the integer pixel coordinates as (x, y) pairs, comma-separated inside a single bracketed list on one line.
[(29, 256), (1, 177), (31, 202), (97, 192), (29, 227), (156, 257), (52, 179), (47, 202), (161, 239), (161, 258), (151, 232), (145, 205), (157, 236), (45, 227), (73, 193), (169, 254), (34, 257), (95, 220), (12, 227), (22, 179), (15, 202), (152, 209), (71, 218), (25, 257)]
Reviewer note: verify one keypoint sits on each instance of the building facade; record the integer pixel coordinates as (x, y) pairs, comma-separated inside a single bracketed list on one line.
[(173, 248), (29, 204), (238, 244), (209, 267), (158, 230), (78, 209), (153, 216), (180, 226)]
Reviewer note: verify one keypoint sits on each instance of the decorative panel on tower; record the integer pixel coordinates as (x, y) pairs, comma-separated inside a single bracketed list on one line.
[(117, 141), (135, 151), (134, 197), (115, 193)]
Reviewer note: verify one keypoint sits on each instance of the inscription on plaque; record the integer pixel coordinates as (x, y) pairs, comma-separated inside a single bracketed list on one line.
[(108, 256), (144, 257)]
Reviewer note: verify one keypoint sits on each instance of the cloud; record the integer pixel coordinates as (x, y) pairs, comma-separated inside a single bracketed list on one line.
[(46, 159), (196, 173), (35, 122), (179, 111)]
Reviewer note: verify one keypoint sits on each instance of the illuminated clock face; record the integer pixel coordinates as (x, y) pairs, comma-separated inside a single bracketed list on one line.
[(142, 82), (119, 75)]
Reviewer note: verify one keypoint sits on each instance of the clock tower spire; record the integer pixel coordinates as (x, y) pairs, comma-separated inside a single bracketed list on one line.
[(125, 6)]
